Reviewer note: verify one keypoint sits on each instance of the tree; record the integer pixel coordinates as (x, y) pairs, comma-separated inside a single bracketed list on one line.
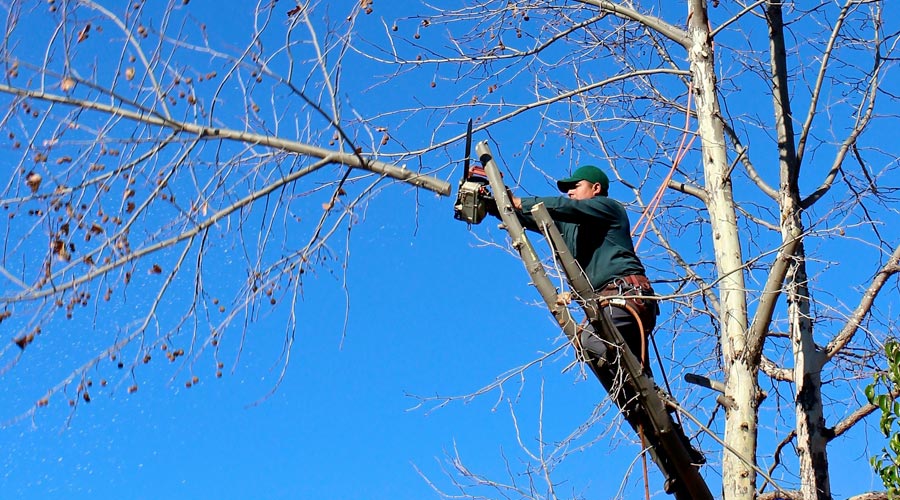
[(623, 58), (155, 164), (724, 104), (885, 464)]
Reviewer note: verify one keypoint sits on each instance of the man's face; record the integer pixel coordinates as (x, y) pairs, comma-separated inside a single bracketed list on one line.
[(584, 190)]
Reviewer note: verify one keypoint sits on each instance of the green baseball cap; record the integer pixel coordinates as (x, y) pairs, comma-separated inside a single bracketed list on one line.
[(588, 173)]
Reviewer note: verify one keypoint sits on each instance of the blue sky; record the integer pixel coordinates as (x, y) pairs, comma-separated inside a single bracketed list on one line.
[(340, 425), (433, 311)]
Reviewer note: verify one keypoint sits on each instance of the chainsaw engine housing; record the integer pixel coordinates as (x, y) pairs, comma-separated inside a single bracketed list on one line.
[(470, 205)]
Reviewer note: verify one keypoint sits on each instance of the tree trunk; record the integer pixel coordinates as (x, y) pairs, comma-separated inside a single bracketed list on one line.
[(738, 478), (808, 358)]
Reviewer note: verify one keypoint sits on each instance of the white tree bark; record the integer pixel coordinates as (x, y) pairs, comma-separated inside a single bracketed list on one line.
[(741, 383)]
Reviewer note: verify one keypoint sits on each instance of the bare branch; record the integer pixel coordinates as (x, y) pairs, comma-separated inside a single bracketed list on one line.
[(671, 32), (772, 290), (862, 310), (352, 160), (562, 96), (744, 156), (875, 495), (850, 420), (737, 17), (817, 88), (33, 294), (774, 371), (690, 189), (862, 121)]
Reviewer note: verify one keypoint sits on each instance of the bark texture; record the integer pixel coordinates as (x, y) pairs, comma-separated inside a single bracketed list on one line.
[(741, 383), (808, 358)]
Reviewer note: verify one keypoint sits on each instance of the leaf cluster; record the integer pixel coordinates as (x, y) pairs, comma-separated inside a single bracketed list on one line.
[(887, 464)]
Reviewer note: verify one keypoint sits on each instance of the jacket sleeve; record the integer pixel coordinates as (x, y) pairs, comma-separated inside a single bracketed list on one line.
[(564, 209), (525, 217)]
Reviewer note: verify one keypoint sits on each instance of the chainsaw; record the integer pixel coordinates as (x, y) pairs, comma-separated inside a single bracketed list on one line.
[(474, 194)]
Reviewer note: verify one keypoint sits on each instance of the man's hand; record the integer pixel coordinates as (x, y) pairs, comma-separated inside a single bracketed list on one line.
[(490, 206), (515, 200)]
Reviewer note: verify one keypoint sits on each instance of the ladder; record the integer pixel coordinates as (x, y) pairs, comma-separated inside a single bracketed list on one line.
[(643, 405)]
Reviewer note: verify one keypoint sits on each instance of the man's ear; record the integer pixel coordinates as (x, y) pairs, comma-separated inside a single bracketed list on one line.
[(597, 189)]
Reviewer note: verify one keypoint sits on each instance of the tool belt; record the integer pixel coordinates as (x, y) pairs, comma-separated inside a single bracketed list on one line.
[(632, 289)]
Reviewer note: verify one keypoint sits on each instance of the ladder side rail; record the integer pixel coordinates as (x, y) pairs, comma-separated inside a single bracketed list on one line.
[(523, 246)]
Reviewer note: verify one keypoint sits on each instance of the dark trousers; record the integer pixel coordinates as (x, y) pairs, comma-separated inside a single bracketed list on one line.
[(634, 318)]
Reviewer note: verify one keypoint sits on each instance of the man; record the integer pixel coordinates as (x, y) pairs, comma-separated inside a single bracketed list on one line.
[(597, 232)]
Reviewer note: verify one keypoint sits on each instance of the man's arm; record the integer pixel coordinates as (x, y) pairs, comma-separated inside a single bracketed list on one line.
[(524, 216), (564, 209)]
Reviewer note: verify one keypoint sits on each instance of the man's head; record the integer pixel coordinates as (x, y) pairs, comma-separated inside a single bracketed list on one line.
[(586, 182)]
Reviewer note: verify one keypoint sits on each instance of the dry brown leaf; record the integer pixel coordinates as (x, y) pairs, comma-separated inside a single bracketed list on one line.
[(24, 340), (33, 181), (84, 33)]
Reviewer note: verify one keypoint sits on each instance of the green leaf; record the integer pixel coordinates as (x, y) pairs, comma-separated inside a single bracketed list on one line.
[(895, 443), (887, 422)]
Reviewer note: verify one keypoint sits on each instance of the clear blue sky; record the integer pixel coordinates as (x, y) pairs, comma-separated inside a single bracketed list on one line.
[(431, 312)]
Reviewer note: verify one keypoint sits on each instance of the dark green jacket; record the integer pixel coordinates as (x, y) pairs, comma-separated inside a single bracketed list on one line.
[(597, 232)]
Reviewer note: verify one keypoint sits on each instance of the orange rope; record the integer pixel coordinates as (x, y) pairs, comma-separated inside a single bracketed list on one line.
[(644, 448), (647, 215), (644, 361), (640, 324)]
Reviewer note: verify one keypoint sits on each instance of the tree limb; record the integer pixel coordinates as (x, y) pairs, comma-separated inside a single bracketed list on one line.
[(875, 495), (34, 293), (850, 420), (690, 189), (817, 88), (737, 17), (743, 151), (670, 31), (556, 98), (861, 124), (351, 160), (774, 371), (759, 326), (865, 305)]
